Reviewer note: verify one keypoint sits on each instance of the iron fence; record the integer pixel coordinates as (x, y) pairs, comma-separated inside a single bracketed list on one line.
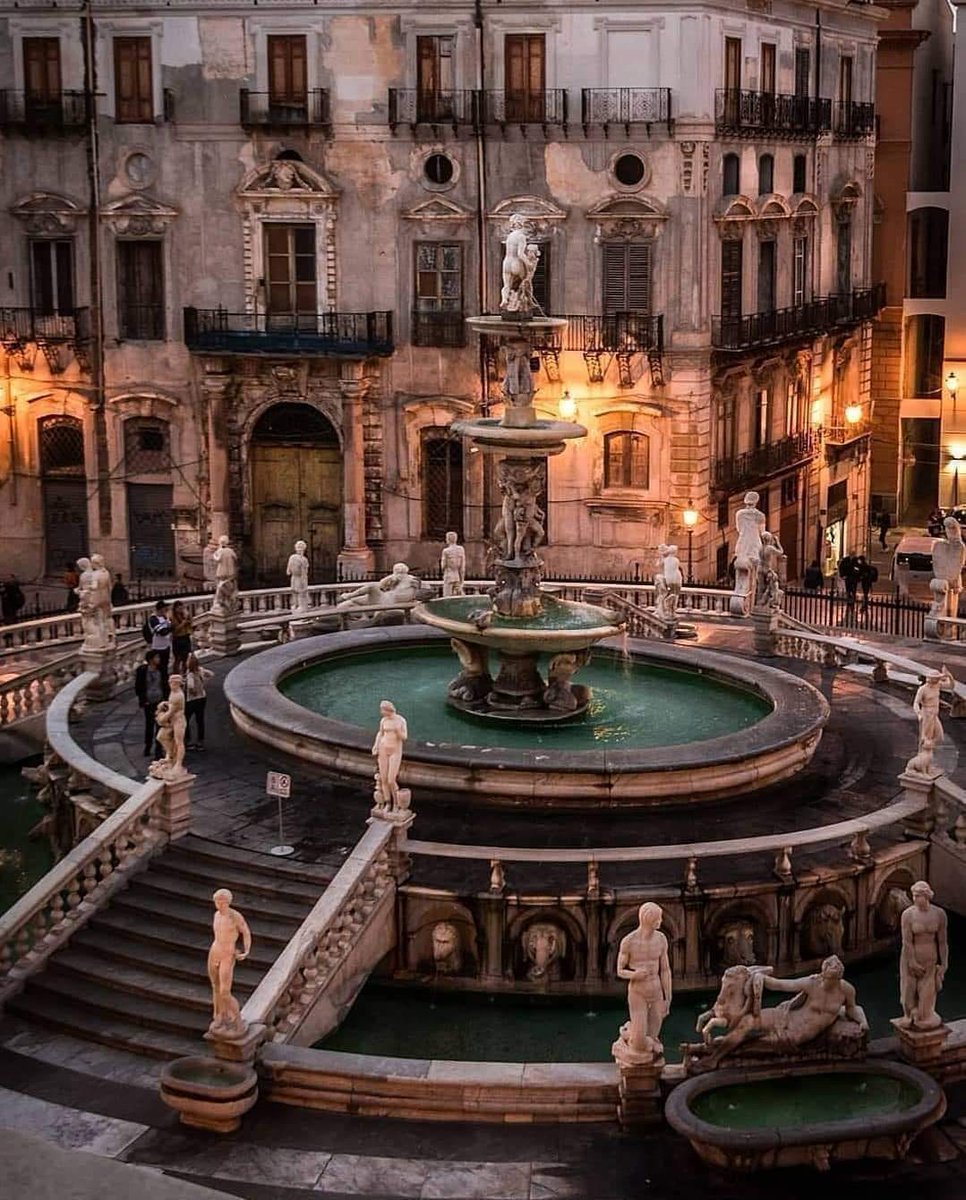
[(832, 609), (739, 113), (625, 106), (267, 110), (412, 106)]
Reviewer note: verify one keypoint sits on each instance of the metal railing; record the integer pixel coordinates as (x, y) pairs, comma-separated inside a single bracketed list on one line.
[(744, 331), (215, 330), (831, 609), (265, 110), (437, 328), (625, 106), (410, 106), (624, 331), (53, 114), (140, 322), (524, 108), (18, 326), (854, 119), (739, 113), (739, 471)]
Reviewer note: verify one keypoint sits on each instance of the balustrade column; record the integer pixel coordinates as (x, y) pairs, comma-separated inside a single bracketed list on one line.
[(355, 557)]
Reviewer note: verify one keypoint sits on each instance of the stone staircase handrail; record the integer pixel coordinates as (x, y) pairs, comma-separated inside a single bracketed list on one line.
[(29, 693), (61, 742), (325, 938)]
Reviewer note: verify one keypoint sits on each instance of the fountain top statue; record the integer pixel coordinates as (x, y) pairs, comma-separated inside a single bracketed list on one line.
[(520, 260)]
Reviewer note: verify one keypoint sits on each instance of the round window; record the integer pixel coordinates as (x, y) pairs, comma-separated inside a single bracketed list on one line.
[(438, 168), (629, 170)]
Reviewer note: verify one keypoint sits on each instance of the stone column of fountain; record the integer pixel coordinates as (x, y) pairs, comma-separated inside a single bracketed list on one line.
[(519, 622)]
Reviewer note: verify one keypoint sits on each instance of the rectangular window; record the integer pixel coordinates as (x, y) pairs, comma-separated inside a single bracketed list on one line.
[(799, 164), (760, 431), (525, 75), (789, 491), (724, 431), (731, 278), (732, 64), (291, 292), (52, 276), (627, 277), (41, 71), (803, 71), (845, 79), (843, 259), (133, 84), (766, 276), (140, 290), (791, 408), (768, 67), (287, 72), (438, 300), (442, 483), (434, 77), (626, 460), (799, 270)]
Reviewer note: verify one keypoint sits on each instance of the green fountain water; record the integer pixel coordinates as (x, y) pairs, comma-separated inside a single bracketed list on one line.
[(804, 1100), (633, 705)]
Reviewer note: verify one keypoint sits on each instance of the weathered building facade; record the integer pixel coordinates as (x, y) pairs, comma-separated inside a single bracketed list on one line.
[(240, 249)]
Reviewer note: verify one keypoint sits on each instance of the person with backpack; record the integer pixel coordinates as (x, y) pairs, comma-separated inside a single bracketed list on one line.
[(151, 687), (156, 632)]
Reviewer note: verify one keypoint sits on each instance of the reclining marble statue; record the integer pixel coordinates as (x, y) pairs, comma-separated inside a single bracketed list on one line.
[(821, 1019), (227, 927), (642, 960), (400, 587)]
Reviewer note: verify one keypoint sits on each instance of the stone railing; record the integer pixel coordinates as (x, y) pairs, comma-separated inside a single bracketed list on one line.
[(30, 693), (947, 629), (316, 977), (84, 879), (639, 622)]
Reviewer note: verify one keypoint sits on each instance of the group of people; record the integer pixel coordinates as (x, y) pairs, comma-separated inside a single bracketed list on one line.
[(854, 570), (168, 634)]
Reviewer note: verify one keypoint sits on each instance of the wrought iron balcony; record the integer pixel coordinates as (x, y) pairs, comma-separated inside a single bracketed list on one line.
[(777, 325), (625, 106), (854, 119), (62, 113), (25, 330), (524, 108), (772, 114), (754, 466), (350, 335), (410, 106), (264, 110), (624, 332), (437, 328), (843, 432)]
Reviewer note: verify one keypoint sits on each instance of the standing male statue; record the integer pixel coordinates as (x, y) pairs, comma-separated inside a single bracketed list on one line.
[(452, 563), (101, 599), (948, 560), (925, 705), (643, 961), (227, 927), (750, 523), (298, 573), (226, 576)]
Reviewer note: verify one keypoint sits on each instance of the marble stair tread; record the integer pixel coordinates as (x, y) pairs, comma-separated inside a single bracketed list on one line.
[(142, 980), (161, 1013), (193, 847), (132, 922), (106, 1028), (158, 882), (187, 963), (154, 908), (239, 879)]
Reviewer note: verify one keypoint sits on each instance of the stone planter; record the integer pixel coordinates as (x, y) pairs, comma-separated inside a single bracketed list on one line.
[(209, 1093)]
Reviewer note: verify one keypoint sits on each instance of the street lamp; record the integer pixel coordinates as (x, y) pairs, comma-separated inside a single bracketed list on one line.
[(690, 519), (853, 413), (952, 386), (567, 407)]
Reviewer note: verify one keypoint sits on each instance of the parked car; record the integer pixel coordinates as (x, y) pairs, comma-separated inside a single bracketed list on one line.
[(912, 566)]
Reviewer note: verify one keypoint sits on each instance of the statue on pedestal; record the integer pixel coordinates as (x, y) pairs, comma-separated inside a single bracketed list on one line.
[(172, 723), (452, 563), (520, 528), (926, 707), (750, 523), (388, 752), (298, 574), (948, 559), (520, 260), (227, 927), (92, 623), (643, 961), (226, 576), (923, 961), (101, 599), (668, 582)]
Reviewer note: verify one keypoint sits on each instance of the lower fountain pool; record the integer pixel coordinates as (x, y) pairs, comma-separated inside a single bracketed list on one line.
[(633, 705), (804, 1100)]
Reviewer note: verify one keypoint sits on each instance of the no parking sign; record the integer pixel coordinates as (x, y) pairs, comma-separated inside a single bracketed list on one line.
[(278, 784)]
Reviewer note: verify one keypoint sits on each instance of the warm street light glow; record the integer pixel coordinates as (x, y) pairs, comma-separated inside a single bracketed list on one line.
[(853, 413), (567, 407), (952, 384), (690, 516)]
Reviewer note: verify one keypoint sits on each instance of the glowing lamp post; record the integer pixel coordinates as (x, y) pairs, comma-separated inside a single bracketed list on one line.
[(690, 519)]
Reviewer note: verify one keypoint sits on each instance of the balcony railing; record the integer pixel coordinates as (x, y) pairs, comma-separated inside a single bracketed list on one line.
[(354, 335), (802, 320), (23, 325), (844, 432), (64, 112), (854, 119), (625, 106), (141, 322), (630, 332), (437, 328), (745, 114), (741, 471), (263, 110), (410, 106), (524, 108)]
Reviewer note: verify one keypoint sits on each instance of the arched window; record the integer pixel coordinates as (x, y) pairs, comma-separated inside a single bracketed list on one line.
[(731, 175), (61, 445), (626, 459), (766, 174), (442, 482)]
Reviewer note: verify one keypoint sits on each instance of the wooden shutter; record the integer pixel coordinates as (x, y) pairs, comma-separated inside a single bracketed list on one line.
[(845, 79), (41, 69), (525, 76), (140, 290), (627, 277), (802, 72), (732, 80), (51, 276), (767, 82), (287, 70), (766, 276), (290, 258), (731, 281), (133, 87)]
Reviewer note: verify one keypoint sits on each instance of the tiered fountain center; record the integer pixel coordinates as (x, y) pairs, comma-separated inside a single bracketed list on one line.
[(517, 620)]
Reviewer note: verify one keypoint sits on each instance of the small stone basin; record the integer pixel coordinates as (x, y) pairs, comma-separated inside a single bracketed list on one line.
[(817, 1115), (209, 1093), (561, 624)]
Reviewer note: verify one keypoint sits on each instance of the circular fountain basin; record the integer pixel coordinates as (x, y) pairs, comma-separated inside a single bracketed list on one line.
[(611, 758), (539, 438), (209, 1093), (799, 1115), (561, 624)]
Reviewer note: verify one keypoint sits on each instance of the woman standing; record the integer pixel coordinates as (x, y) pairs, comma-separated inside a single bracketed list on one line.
[(195, 678), (180, 635)]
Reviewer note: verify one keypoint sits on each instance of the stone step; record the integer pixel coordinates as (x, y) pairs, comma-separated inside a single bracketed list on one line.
[(154, 909), (106, 1028), (162, 1013), (240, 878), (132, 924), (157, 879), (141, 980), (251, 863), (115, 946)]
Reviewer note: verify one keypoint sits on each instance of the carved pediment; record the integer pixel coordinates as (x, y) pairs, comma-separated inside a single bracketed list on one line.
[(543, 216), (138, 215), (438, 209), (735, 208), (47, 212), (844, 200), (286, 176), (627, 218), (773, 207)]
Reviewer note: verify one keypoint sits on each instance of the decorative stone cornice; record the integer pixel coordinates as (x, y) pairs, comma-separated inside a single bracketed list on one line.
[(627, 218), (138, 215), (543, 216), (48, 212)]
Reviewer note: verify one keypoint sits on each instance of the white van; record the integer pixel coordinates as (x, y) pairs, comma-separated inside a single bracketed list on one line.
[(912, 566)]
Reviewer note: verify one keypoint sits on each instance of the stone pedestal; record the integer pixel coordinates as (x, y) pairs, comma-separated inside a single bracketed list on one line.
[(762, 621), (176, 806), (518, 683), (355, 563), (920, 787), (225, 634), (920, 1046), (241, 1047), (101, 662), (301, 627), (640, 1101)]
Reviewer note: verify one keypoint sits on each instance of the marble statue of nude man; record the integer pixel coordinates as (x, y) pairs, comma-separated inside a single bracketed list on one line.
[(643, 961), (228, 926)]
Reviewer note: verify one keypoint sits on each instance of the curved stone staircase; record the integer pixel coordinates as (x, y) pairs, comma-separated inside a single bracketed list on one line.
[(135, 977)]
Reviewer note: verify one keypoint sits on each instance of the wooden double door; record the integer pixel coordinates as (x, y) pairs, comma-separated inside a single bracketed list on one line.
[(296, 493)]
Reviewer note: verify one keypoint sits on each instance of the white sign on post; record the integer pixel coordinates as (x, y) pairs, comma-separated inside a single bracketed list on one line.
[(278, 784)]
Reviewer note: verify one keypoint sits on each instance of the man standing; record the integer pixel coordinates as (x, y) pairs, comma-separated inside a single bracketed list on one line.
[(159, 626), (150, 687), (12, 600), (884, 523)]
